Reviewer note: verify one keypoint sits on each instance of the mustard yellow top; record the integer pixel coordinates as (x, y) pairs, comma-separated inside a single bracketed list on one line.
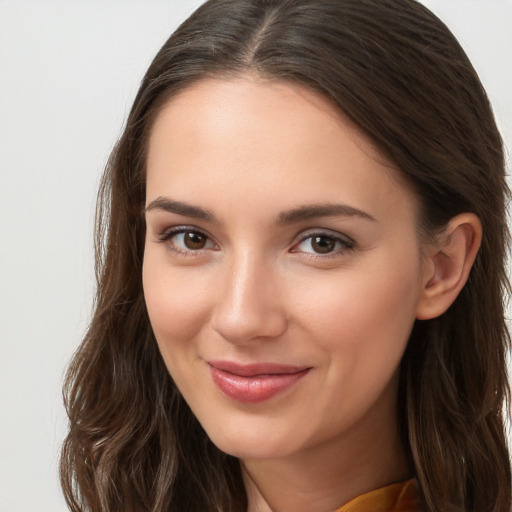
[(400, 497)]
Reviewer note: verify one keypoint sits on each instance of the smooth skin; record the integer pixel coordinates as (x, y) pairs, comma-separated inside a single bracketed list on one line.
[(276, 233)]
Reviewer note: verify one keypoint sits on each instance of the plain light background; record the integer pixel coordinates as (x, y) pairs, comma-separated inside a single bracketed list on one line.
[(68, 73)]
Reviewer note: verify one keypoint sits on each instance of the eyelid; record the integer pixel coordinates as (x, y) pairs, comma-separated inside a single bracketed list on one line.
[(168, 232), (304, 235)]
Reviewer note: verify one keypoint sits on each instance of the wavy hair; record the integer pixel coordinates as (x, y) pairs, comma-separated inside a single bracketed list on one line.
[(396, 70)]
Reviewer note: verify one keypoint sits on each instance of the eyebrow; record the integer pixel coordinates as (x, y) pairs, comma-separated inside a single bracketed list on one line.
[(286, 217), (187, 210), (321, 210)]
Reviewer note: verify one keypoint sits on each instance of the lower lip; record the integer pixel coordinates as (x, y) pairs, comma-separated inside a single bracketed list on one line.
[(255, 388)]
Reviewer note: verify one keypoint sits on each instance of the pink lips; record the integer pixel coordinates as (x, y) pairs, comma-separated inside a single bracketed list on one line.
[(253, 383)]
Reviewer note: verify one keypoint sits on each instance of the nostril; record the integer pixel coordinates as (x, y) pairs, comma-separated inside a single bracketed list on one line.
[(249, 325)]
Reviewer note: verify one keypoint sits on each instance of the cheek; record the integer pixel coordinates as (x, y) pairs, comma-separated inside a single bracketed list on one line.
[(362, 318), (361, 323), (177, 302)]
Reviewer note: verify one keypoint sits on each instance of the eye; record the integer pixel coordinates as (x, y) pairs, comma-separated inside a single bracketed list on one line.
[(186, 240), (323, 243)]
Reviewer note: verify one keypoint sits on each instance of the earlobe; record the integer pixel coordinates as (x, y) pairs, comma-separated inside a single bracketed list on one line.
[(448, 263)]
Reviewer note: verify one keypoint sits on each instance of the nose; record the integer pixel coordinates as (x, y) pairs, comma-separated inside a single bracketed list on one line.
[(249, 305)]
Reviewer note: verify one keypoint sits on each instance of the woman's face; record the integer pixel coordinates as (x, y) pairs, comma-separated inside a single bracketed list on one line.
[(282, 267)]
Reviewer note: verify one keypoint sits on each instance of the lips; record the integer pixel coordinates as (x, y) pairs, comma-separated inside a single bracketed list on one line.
[(254, 383)]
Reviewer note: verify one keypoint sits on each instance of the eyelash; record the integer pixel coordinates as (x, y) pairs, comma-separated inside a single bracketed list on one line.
[(345, 243), (169, 234)]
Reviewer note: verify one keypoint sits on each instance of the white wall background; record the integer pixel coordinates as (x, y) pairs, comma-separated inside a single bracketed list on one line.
[(68, 73)]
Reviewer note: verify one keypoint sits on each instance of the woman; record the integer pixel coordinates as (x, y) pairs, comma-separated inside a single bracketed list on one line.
[(301, 236)]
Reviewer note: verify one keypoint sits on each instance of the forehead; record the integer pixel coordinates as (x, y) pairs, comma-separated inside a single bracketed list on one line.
[(256, 138), (256, 102)]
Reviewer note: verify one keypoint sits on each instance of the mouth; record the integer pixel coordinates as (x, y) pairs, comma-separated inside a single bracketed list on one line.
[(253, 383)]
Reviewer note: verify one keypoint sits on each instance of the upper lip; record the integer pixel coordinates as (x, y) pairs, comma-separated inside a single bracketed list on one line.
[(253, 369)]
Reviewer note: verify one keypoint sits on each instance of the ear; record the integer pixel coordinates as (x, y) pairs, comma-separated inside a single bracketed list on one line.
[(447, 263)]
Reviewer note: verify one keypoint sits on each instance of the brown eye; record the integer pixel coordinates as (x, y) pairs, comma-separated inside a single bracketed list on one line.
[(194, 240), (322, 244), (183, 240)]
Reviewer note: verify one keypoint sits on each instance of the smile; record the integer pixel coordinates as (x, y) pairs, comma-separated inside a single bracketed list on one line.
[(254, 382)]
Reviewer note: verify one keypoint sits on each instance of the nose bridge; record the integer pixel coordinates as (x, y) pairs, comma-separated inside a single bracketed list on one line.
[(248, 306)]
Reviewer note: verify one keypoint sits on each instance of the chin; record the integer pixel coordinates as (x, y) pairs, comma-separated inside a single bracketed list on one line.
[(251, 443), (248, 451)]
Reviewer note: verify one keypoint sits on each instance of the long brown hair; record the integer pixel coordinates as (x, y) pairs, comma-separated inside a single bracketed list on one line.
[(401, 76)]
